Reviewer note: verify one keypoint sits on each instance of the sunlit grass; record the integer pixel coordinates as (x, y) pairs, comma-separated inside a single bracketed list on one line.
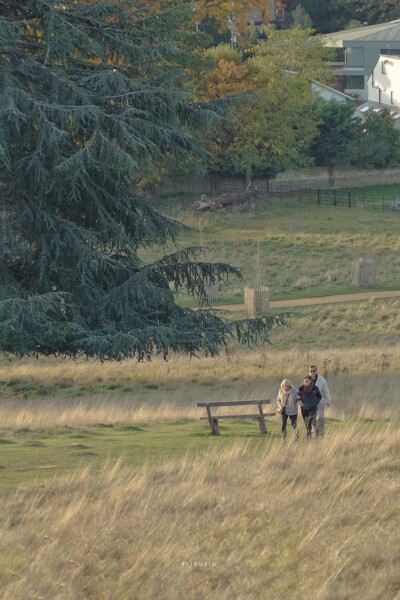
[(159, 390), (290, 521)]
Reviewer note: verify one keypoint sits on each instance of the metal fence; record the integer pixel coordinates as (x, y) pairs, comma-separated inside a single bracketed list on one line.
[(334, 197), (290, 192)]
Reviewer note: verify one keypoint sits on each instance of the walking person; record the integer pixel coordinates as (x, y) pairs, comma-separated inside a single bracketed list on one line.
[(287, 407), (309, 397), (322, 385)]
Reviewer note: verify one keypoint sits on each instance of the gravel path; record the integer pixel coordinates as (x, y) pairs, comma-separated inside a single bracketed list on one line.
[(318, 300)]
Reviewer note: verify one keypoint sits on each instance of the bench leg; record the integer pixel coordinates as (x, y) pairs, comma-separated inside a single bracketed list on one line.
[(261, 420), (215, 429), (212, 421)]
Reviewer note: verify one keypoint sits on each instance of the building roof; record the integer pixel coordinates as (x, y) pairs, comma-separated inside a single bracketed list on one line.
[(384, 32), (361, 110), (331, 89)]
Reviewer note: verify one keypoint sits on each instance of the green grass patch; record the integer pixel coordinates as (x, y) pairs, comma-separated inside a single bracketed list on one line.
[(28, 460), (296, 252)]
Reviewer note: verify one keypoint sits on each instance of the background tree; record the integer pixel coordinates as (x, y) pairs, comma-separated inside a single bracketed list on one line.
[(275, 123), (226, 73), (379, 145), (235, 12), (371, 12), (344, 140), (328, 15), (337, 136), (91, 96), (299, 17)]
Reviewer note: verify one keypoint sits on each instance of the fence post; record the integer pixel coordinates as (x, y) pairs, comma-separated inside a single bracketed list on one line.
[(318, 196), (349, 198), (334, 197)]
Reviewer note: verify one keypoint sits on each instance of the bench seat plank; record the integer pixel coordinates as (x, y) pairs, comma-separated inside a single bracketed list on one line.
[(234, 403)]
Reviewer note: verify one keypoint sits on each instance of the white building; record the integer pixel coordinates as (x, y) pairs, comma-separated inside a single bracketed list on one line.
[(358, 51), (383, 88), (329, 93), (384, 84)]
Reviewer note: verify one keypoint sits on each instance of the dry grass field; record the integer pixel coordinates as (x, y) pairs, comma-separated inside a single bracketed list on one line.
[(194, 516), (296, 521), (112, 488), (365, 381)]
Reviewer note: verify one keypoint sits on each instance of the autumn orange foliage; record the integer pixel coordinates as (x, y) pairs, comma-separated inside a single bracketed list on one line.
[(227, 78)]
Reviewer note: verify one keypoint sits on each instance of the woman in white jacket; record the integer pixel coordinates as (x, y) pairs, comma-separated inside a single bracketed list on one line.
[(287, 406)]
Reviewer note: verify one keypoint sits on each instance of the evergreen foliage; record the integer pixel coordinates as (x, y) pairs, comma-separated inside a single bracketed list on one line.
[(328, 15), (91, 97), (345, 140), (380, 142), (338, 134), (299, 17)]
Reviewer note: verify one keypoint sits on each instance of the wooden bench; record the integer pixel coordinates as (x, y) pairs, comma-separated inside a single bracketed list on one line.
[(213, 419)]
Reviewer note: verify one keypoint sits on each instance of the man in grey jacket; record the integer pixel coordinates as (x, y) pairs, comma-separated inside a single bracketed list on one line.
[(320, 382)]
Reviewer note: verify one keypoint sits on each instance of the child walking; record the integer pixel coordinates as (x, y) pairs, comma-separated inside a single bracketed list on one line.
[(309, 397), (287, 407)]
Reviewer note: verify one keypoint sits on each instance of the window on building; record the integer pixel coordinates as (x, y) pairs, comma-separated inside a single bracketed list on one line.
[(388, 52), (383, 65), (354, 57), (280, 14), (338, 55), (355, 82), (391, 97)]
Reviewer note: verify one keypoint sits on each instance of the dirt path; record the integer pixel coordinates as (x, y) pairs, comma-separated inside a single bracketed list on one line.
[(318, 300)]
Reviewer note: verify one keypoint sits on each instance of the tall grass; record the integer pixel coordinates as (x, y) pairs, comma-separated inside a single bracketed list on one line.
[(364, 383), (295, 521), (239, 520)]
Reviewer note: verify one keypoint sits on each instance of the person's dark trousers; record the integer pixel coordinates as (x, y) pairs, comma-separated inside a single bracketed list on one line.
[(293, 420), (309, 418)]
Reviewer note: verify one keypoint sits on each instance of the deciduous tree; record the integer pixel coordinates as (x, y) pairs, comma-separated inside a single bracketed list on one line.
[(275, 124), (372, 12), (328, 15), (233, 12)]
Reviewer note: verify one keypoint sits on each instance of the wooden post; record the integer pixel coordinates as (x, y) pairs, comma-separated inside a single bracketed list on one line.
[(261, 420)]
